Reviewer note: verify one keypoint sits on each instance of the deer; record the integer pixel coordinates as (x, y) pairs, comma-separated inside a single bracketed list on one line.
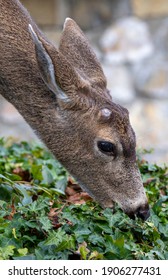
[(62, 94)]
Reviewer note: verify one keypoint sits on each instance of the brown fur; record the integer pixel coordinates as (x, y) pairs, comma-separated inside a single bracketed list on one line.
[(62, 94)]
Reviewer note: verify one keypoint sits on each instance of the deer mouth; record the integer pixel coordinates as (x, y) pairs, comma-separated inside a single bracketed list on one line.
[(141, 212)]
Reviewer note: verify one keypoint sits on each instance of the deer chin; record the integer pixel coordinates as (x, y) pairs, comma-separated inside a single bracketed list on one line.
[(142, 212), (104, 203), (140, 209)]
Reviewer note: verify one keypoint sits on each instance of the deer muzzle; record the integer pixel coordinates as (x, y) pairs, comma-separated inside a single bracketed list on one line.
[(142, 212)]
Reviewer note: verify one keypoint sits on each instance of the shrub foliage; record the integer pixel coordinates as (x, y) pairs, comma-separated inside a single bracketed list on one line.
[(45, 215)]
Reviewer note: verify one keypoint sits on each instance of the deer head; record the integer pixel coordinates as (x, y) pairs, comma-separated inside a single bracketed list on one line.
[(93, 138)]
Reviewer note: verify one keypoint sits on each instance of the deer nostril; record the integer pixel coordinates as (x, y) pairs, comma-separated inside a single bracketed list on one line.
[(143, 213)]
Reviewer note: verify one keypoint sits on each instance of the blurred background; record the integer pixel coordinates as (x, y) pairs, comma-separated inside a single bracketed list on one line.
[(130, 38)]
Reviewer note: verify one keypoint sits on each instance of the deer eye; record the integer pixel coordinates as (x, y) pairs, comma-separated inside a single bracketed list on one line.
[(107, 148)]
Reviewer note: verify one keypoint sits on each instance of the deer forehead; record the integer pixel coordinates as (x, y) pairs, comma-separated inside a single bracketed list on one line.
[(106, 134)]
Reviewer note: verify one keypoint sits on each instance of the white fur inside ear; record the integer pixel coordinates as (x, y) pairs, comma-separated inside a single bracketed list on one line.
[(32, 32), (49, 67)]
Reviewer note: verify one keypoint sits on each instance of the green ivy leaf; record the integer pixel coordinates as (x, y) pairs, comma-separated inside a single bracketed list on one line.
[(6, 252), (45, 222)]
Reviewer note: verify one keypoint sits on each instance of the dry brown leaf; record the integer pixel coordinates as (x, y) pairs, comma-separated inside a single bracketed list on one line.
[(53, 216), (69, 191), (79, 198), (13, 211), (24, 174)]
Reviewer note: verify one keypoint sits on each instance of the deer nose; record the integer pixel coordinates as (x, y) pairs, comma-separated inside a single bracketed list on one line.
[(143, 212)]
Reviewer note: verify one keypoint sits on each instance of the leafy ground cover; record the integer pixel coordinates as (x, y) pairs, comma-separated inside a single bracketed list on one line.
[(45, 215)]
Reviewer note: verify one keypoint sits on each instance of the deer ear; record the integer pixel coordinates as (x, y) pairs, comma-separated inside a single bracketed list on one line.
[(56, 71), (46, 66), (76, 48)]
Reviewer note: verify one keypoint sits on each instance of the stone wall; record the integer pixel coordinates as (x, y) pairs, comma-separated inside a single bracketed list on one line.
[(130, 38), (93, 13), (150, 8), (88, 13)]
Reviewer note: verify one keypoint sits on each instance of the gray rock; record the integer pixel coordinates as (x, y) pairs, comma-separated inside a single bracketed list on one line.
[(119, 82), (126, 41), (151, 77), (149, 120), (13, 124)]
